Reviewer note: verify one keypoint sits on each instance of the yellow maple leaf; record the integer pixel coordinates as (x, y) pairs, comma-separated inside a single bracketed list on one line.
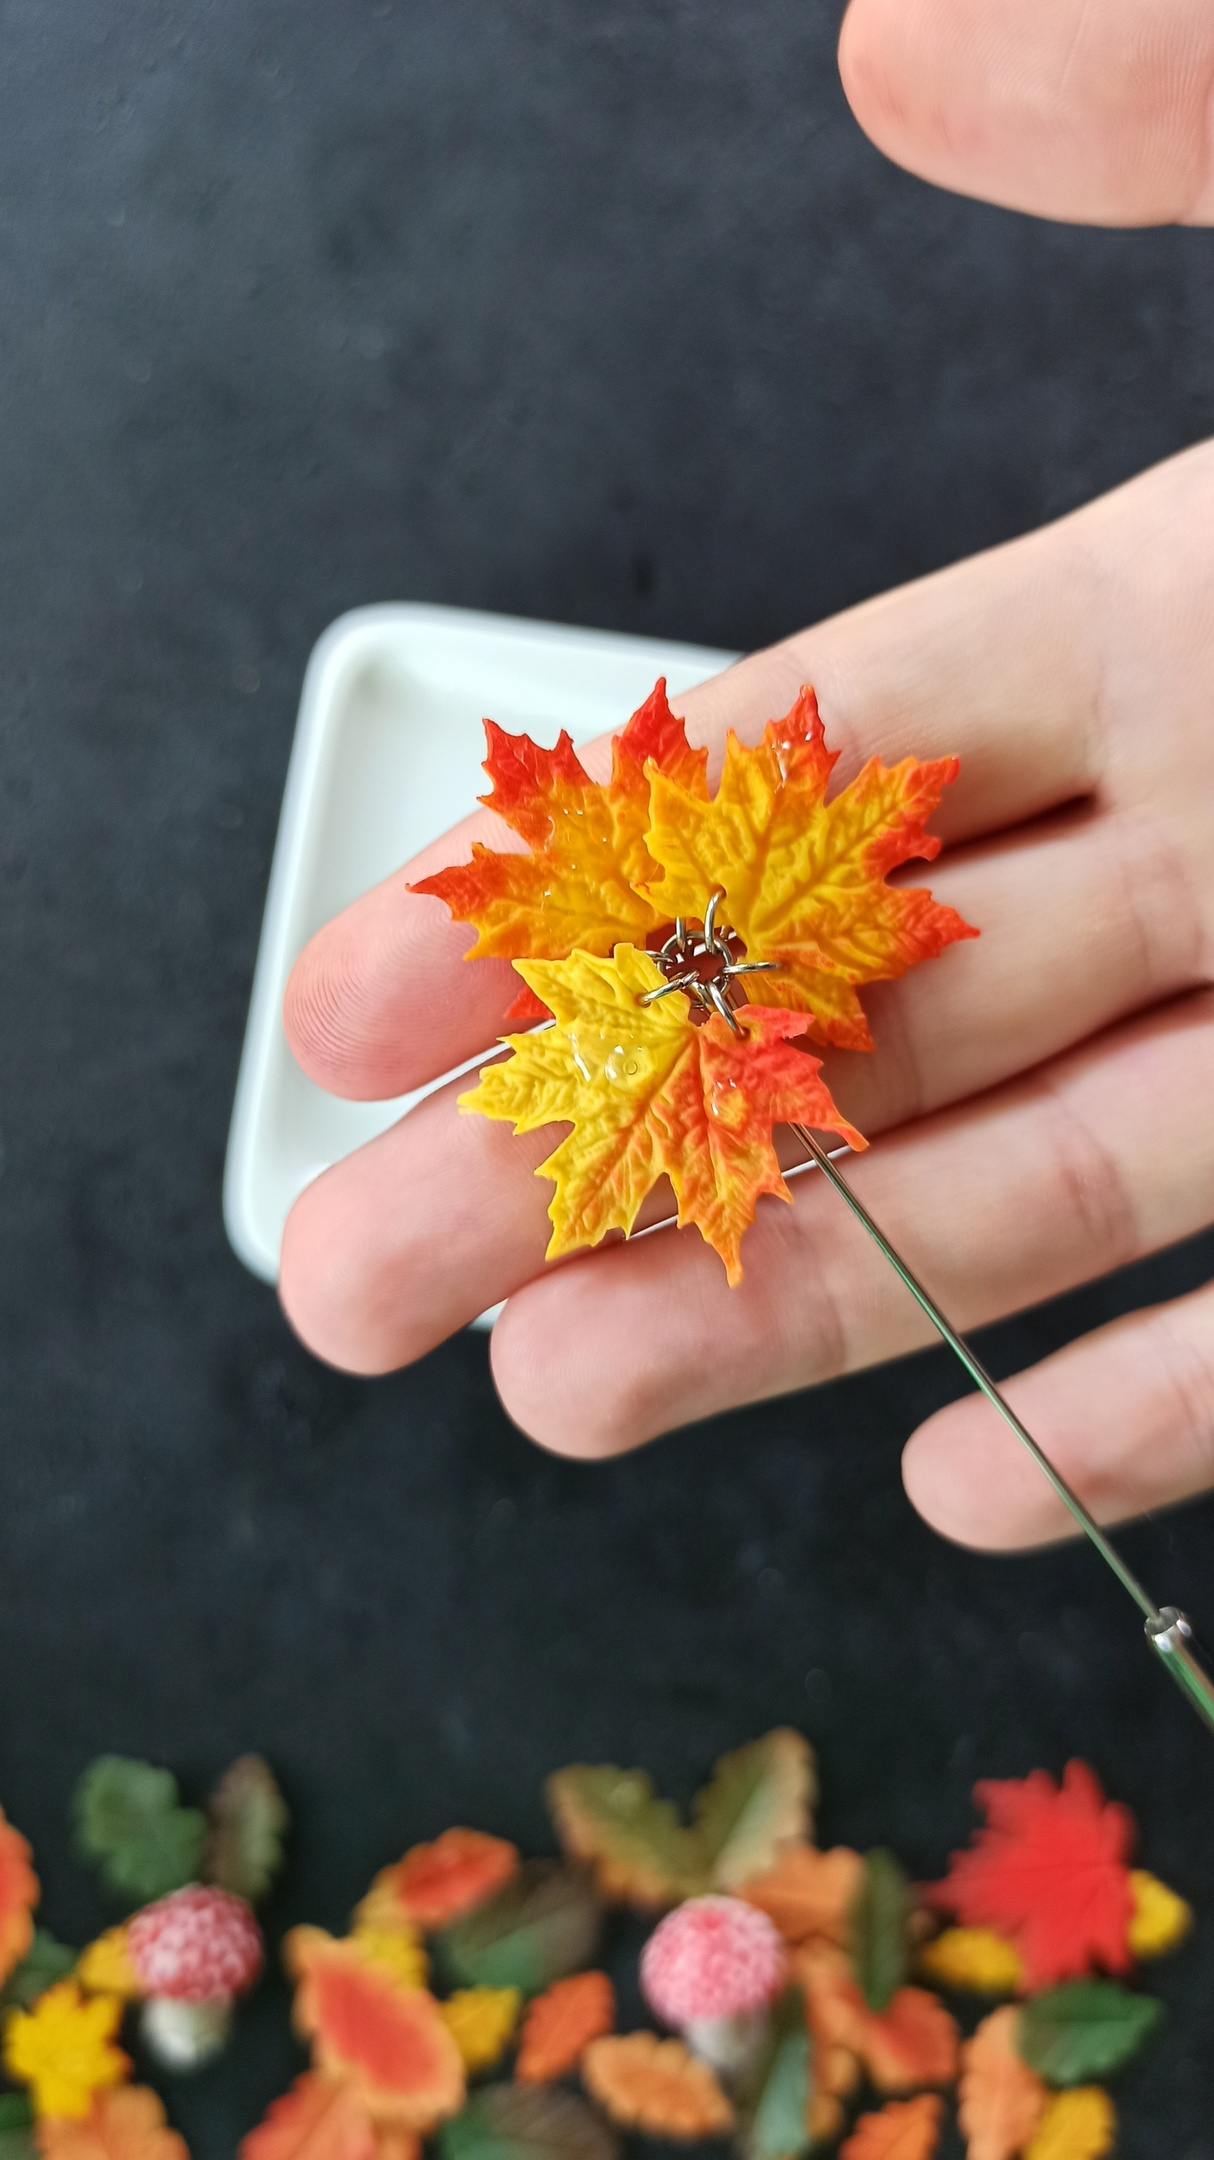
[(649, 1095), (63, 2049), (1077, 2125), (480, 2020), (1159, 1920), (104, 1966), (973, 1959), (804, 879)]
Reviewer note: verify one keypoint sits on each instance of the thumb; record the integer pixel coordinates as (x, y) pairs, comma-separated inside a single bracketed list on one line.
[(1097, 111)]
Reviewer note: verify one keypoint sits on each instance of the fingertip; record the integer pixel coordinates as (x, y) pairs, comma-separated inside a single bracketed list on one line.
[(555, 1382), (968, 1477), (321, 1287)]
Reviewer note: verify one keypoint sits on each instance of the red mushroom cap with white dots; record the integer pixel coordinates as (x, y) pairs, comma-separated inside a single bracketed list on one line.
[(197, 1945), (713, 1957)]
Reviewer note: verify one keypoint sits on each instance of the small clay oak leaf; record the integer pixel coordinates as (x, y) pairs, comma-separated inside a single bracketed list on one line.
[(901, 2130), (648, 1095)]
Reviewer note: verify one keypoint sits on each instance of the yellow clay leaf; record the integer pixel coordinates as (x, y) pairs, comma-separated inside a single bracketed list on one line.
[(104, 1967), (63, 2049), (1077, 2125), (973, 1959), (481, 2020), (1160, 1919), (648, 1094), (803, 878), (398, 1950)]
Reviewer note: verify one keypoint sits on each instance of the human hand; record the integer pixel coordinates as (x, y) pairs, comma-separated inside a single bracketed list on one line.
[(1040, 1100)]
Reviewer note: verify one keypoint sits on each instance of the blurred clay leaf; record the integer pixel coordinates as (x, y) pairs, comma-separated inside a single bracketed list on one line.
[(249, 1822), (16, 2128), (613, 1822), (544, 1924), (128, 1819), (758, 1801), (527, 2122), (44, 1962), (880, 1944), (774, 2108), (1070, 2035)]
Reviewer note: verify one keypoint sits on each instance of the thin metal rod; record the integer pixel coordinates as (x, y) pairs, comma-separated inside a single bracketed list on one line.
[(982, 1379)]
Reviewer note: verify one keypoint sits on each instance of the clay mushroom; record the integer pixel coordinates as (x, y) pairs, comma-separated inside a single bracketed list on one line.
[(193, 1953), (712, 1969)]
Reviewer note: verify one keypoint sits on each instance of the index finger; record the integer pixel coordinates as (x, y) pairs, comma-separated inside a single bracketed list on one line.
[(991, 659)]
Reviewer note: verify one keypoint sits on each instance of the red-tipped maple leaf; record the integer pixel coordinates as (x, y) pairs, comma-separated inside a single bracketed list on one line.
[(647, 1093), (1050, 1873), (579, 887)]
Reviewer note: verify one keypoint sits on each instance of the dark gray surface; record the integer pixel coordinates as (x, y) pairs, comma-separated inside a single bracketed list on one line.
[(598, 313)]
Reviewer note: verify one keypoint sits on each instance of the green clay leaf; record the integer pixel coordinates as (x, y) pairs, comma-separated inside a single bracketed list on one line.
[(520, 2122), (16, 2112), (880, 1942), (774, 2106), (44, 1962), (249, 1823), (542, 1926), (17, 2145), (758, 1801), (612, 1822), (1073, 2034), (128, 1819)]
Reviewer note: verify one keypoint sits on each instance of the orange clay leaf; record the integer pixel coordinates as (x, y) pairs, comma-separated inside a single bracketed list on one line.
[(18, 1897), (913, 2042), (655, 2086), (561, 2024), (1050, 1873), (320, 2118), (648, 1095), (127, 2124), (435, 1884), (804, 879), (1000, 2101), (903, 2130), (580, 886), (389, 2040), (808, 1893)]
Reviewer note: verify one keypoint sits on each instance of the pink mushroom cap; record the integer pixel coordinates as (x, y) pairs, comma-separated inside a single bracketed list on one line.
[(196, 1945), (713, 1957)]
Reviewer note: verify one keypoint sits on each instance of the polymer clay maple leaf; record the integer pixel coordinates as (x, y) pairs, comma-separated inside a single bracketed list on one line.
[(651, 1095), (804, 879), (1050, 1873), (581, 886)]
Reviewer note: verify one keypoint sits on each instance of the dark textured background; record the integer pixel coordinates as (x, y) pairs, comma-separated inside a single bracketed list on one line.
[(605, 313)]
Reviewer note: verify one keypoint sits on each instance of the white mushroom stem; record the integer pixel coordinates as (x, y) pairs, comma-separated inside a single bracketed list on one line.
[(731, 2044), (185, 2035)]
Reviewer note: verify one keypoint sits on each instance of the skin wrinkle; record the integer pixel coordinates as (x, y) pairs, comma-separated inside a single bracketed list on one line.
[(1188, 1378)]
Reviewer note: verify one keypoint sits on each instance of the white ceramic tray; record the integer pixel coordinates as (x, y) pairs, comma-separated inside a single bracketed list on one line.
[(386, 756)]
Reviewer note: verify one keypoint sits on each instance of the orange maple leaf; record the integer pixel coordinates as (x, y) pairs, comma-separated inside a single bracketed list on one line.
[(808, 1893), (388, 2039), (126, 2123), (437, 1883), (560, 2025), (902, 2130), (18, 1897), (581, 886), (648, 1094), (804, 879), (1050, 1872), (1000, 2101), (324, 2118)]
